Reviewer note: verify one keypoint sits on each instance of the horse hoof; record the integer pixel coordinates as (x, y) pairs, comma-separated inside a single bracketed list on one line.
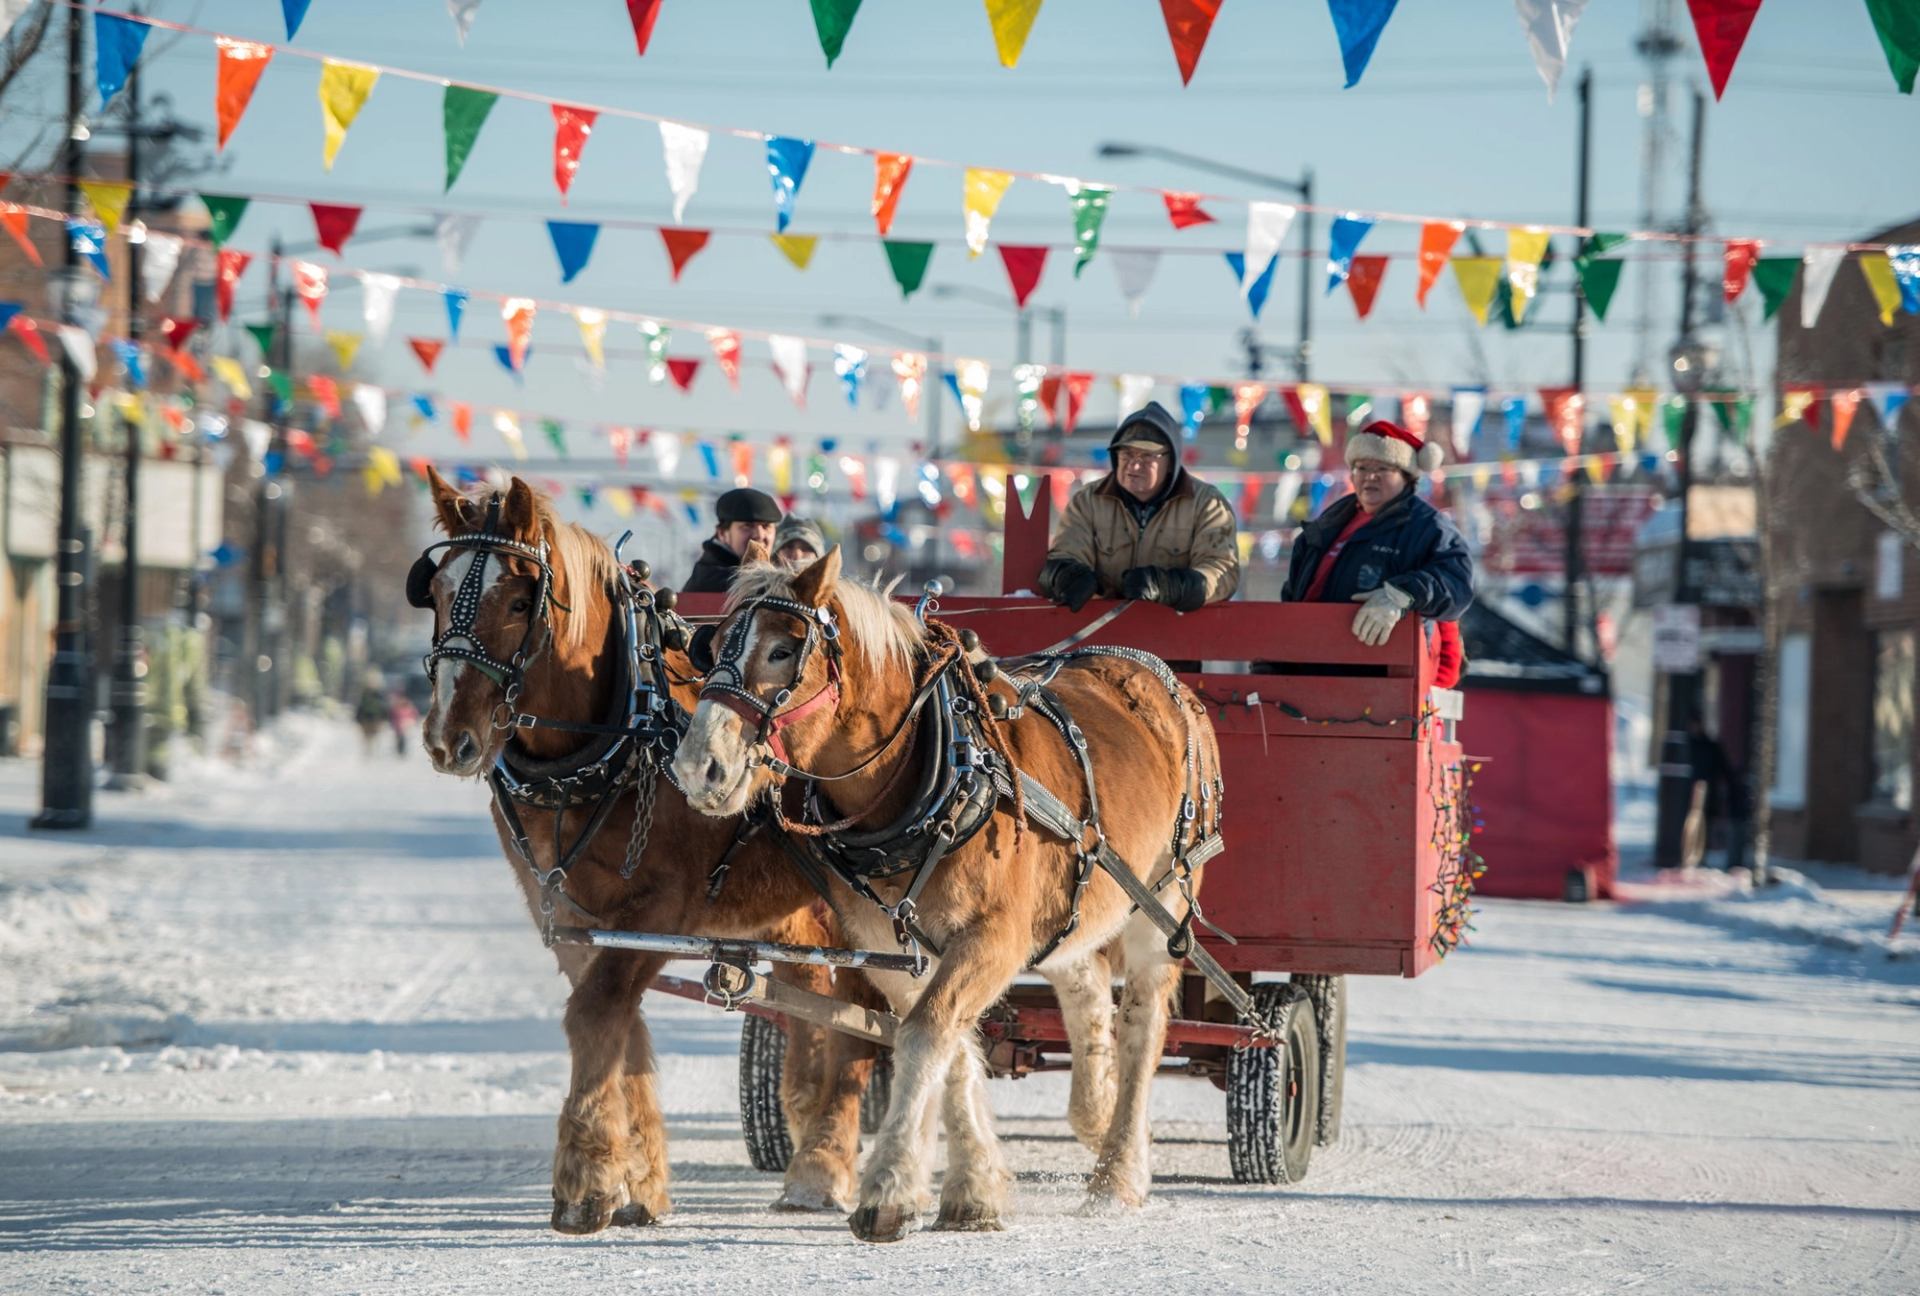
[(972, 1218), (807, 1200), (590, 1214), (634, 1215), (881, 1223)]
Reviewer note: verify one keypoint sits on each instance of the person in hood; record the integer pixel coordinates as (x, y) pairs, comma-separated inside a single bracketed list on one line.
[(741, 516), (1385, 548), (1147, 530), (798, 541)]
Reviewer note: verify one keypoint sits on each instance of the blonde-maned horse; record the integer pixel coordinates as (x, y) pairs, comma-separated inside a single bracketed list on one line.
[(610, 1160), (830, 668)]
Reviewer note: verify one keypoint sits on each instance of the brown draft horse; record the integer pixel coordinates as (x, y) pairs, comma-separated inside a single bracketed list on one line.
[(992, 904), (610, 1161)]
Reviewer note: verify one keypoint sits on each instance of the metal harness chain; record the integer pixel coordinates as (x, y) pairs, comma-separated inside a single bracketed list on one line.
[(645, 792)]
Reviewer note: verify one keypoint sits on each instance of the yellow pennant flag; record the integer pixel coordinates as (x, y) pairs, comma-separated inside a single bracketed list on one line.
[(780, 463), (1478, 277), (109, 199), (797, 247), (1313, 399), (1011, 20), (1596, 469), (382, 470), (344, 88), (345, 346), (228, 370), (1880, 278), (593, 331), (619, 499), (1482, 477), (1794, 406), (984, 190), (1625, 417), (1525, 247), (509, 428)]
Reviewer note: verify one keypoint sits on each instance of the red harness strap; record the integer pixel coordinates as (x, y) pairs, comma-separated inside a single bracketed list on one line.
[(775, 721)]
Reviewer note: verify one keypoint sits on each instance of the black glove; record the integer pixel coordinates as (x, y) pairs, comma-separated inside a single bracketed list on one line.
[(1068, 583), (1179, 588)]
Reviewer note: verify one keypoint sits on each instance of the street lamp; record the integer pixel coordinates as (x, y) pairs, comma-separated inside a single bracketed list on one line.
[(1301, 189), (929, 398)]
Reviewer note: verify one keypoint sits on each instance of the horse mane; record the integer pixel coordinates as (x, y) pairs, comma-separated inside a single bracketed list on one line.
[(884, 632)]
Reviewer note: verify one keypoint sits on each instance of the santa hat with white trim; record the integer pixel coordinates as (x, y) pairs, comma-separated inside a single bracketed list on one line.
[(1389, 443)]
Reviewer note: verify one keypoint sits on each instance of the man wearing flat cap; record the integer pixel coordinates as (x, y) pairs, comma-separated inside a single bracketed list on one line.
[(741, 516), (1147, 530)]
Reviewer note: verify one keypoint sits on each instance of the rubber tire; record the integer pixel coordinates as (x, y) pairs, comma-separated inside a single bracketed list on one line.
[(763, 1121), (1574, 888), (1273, 1094), (878, 1093), (1329, 995)]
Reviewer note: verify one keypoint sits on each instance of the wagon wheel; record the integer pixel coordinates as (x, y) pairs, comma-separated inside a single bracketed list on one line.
[(763, 1121), (1329, 995), (1273, 1094), (878, 1093)]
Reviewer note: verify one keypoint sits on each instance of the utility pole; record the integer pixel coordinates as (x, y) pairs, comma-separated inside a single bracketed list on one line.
[(1303, 362), (66, 769), (1575, 555), (1683, 687), (1659, 45), (129, 684)]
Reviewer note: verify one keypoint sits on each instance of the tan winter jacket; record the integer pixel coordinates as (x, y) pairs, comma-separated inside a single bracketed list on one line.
[(1194, 528)]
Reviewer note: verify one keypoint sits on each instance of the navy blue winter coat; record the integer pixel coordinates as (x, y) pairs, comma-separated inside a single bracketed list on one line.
[(1409, 544)]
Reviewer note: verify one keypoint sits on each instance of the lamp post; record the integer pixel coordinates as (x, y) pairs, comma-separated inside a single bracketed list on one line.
[(1301, 188), (929, 398)]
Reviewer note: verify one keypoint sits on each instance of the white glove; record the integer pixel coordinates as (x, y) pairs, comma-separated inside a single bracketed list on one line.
[(1379, 613)]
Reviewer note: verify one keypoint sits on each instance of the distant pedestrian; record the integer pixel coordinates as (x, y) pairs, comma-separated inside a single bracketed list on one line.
[(370, 710), (402, 715)]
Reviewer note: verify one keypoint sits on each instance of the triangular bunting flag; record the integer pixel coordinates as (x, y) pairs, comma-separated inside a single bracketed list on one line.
[(463, 111), (980, 198), (797, 248), (832, 20), (1184, 210), (15, 219), (684, 149), (455, 234), (643, 14), (263, 336), (682, 244), (571, 127), (1845, 405), (116, 48), (1478, 278), (295, 12), (517, 313), (1820, 263), (1363, 281), (1188, 24), (463, 13), (345, 347), (334, 225), (1897, 23), (682, 369), (427, 351), (1436, 246), (1526, 247), (1134, 268), (889, 178), (1358, 24), (1598, 280), (157, 266), (1342, 243), (1549, 27), (1721, 26), (1736, 265), (377, 293), (223, 213), (1024, 265), (908, 261), (1774, 277), (1256, 292), (787, 161), (790, 363), (456, 309), (1089, 211), (229, 266), (573, 245), (1905, 260), (344, 88), (310, 286), (726, 352), (1011, 20), (592, 323), (1888, 399), (1880, 278), (1267, 224), (241, 63), (109, 200)]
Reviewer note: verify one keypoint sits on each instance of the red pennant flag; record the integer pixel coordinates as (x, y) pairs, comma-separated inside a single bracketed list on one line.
[(1184, 210), (231, 266), (1363, 281), (188, 367), (571, 126), (682, 370), (1024, 265), (1721, 26), (334, 225), (241, 63), (1188, 22), (15, 219), (1297, 408), (300, 441), (889, 178), (428, 350), (463, 420), (29, 334), (726, 350), (177, 331), (1050, 399), (1845, 403), (1566, 411), (1077, 387), (517, 314), (1061, 484), (643, 13), (326, 394), (1738, 266), (1436, 245), (681, 245), (309, 285)]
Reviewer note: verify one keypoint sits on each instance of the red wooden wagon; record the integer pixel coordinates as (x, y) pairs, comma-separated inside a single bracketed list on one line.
[(1347, 837)]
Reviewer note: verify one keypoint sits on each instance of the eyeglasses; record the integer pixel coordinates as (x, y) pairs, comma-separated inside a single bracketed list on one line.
[(1146, 458), (1372, 470)]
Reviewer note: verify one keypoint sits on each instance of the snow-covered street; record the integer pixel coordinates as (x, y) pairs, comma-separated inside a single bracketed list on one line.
[(290, 1029)]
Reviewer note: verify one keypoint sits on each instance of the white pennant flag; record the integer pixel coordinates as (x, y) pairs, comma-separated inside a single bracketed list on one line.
[(377, 292), (1285, 491), (509, 429), (685, 148), (1469, 403), (371, 401), (1816, 276), (78, 344), (1134, 268), (10, 11), (1549, 27), (666, 451), (1888, 398), (159, 258), (1266, 229), (1135, 390), (258, 436), (455, 234), (971, 377), (790, 362), (462, 12)]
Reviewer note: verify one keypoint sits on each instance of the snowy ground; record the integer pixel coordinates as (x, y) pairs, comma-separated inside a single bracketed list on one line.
[(289, 1029)]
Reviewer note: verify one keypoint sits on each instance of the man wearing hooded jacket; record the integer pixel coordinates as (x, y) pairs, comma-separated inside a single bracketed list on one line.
[(1147, 530)]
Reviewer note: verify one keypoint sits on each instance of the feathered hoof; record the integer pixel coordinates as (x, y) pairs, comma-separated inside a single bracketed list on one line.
[(808, 1200), (971, 1218), (882, 1223), (633, 1215), (590, 1214)]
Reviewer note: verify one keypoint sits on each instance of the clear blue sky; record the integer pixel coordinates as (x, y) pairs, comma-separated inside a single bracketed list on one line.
[(1812, 142)]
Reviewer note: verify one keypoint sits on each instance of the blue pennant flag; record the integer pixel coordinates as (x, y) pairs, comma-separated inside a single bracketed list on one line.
[(1348, 230), (1257, 295), (132, 360), (7, 311), (295, 12), (1515, 409), (787, 162), (711, 458), (90, 241), (586, 496), (116, 48), (456, 307), (424, 404), (1193, 408), (1358, 24), (504, 354), (273, 461), (573, 244), (1905, 259), (952, 380), (1317, 494)]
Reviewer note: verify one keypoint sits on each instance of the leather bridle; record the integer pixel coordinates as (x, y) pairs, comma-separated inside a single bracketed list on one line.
[(727, 682)]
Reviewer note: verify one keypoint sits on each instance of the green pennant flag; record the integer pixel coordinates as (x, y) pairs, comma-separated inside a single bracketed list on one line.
[(1599, 278), (1026, 486), (1674, 413), (1897, 24), (1089, 210), (1219, 398), (1735, 414), (465, 110), (282, 385), (833, 19), (557, 434), (909, 262), (264, 335), (225, 212), (1774, 277)]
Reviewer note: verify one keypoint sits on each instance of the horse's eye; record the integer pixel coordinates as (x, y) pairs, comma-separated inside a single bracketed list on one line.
[(780, 654), (521, 606)]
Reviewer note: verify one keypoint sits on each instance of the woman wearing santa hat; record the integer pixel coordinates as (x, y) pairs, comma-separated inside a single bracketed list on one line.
[(1384, 547)]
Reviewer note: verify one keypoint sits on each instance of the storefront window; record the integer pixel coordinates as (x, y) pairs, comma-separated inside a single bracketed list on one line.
[(1893, 719)]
